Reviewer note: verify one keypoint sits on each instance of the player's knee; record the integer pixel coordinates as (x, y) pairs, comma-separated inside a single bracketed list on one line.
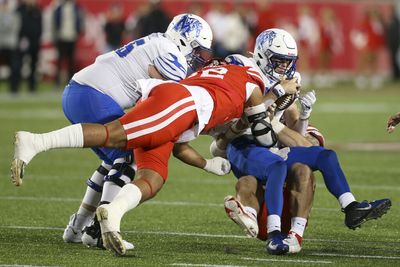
[(300, 173), (121, 173), (328, 155), (246, 184)]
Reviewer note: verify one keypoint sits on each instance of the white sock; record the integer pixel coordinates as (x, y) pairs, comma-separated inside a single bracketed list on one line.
[(92, 197), (70, 136), (298, 225), (110, 190), (251, 211), (345, 199), (127, 199), (273, 223)]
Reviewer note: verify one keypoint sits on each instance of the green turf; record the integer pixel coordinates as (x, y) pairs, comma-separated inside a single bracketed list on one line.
[(185, 225)]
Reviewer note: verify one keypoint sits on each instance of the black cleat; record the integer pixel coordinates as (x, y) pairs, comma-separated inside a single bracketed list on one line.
[(91, 235), (359, 212)]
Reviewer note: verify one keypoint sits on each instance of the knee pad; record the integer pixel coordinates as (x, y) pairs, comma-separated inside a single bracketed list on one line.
[(119, 171)]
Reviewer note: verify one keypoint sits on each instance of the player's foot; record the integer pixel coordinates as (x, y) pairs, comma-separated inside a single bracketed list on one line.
[(246, 221), (293, 240), (24, 151), (112, 239), (91, 236), (275, 245), (73, 233), (359, 212)]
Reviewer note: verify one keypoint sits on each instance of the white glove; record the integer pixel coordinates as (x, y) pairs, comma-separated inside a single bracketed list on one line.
[(216, 151), (283, 152), (306, 102), (218, 166)]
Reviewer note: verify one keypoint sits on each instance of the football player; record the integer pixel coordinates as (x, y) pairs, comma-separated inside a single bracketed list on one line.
[(248, 158), (102, 91), (169, 112)]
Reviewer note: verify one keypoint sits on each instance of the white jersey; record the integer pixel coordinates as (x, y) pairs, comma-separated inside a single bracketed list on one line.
[(115, 73)]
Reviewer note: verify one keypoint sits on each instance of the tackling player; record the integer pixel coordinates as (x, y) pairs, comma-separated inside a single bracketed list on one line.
[(102, 91), (169, 112)]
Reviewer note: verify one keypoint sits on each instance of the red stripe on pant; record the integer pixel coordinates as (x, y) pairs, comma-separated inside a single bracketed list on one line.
[(161, 97)]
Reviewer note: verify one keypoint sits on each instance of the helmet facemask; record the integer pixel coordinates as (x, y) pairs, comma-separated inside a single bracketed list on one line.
[(199, 56), (281, 66)]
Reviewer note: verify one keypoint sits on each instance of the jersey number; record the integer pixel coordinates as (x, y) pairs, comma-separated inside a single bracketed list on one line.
[(214, 73), (126, 49)]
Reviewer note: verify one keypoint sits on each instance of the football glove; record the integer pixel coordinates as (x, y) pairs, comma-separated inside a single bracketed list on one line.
[(218, 166), (306, 102)]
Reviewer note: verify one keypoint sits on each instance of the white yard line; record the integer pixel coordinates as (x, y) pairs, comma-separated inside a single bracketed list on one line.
[(356, 256), (291, 261), (204, 265), (190, 234)]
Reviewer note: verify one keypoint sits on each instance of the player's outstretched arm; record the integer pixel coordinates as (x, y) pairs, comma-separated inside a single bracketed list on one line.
[(287, 136), (392, 122), (187, 154)]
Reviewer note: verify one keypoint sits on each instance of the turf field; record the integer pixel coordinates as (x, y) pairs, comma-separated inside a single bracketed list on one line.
[(185, 225)]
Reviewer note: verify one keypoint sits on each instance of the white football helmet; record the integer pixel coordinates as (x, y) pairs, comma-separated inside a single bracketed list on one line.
[(193, 37), (275, 53)]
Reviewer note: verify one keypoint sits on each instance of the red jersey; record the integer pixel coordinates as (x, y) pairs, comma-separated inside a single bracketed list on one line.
[(228, 85)]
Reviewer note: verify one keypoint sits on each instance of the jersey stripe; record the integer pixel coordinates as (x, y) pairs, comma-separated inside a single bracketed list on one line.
[(158, 115), (163, 124)]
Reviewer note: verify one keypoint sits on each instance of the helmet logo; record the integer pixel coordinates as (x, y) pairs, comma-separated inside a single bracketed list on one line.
[(268, 36), (187, 25)]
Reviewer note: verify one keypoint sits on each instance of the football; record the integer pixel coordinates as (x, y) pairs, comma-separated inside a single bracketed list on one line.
[(285, 101)]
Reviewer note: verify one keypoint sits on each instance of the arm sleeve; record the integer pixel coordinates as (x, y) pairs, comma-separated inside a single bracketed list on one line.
[(171, 67)]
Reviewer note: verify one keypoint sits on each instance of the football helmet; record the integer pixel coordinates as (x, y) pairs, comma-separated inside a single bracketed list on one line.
[(193, 37), (275, 53)]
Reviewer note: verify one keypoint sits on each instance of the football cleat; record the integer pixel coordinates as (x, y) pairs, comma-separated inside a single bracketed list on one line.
[(24, 151), (246, 221), (72, 233), (359, 212), (91, 236), (275, 244), (293, 240), (112, 239)]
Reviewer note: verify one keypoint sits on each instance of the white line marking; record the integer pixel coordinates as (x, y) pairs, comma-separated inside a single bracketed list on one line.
[(204, 265), (284, 260), (196, 235), (355, 256)]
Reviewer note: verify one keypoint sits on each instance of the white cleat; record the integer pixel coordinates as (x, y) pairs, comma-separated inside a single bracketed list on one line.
[(293, 240), (24, 151), (72, 233), (112, 239), (246, 221)]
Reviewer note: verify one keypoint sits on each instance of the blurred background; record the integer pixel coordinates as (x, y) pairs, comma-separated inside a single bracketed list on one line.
[(338, 40)]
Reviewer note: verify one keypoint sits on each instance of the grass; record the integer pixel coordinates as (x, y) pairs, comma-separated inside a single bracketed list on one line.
[(185, 225)]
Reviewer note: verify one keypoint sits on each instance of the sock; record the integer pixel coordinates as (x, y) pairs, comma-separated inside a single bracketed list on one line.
[(251, 210), (345, 199), (127, 199), (110, 190), (93, 195), (70, 136), (298, 225), (273, 223)]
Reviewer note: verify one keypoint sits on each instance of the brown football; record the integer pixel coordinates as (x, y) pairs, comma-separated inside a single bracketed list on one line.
[(285, 101)]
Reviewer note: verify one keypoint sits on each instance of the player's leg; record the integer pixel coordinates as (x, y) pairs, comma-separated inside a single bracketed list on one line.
[(326, 161), (243, 208), (246, 158), (83, 104), (90, 201), (152, 172), (300, 185), (166, 114), (122, 172)]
